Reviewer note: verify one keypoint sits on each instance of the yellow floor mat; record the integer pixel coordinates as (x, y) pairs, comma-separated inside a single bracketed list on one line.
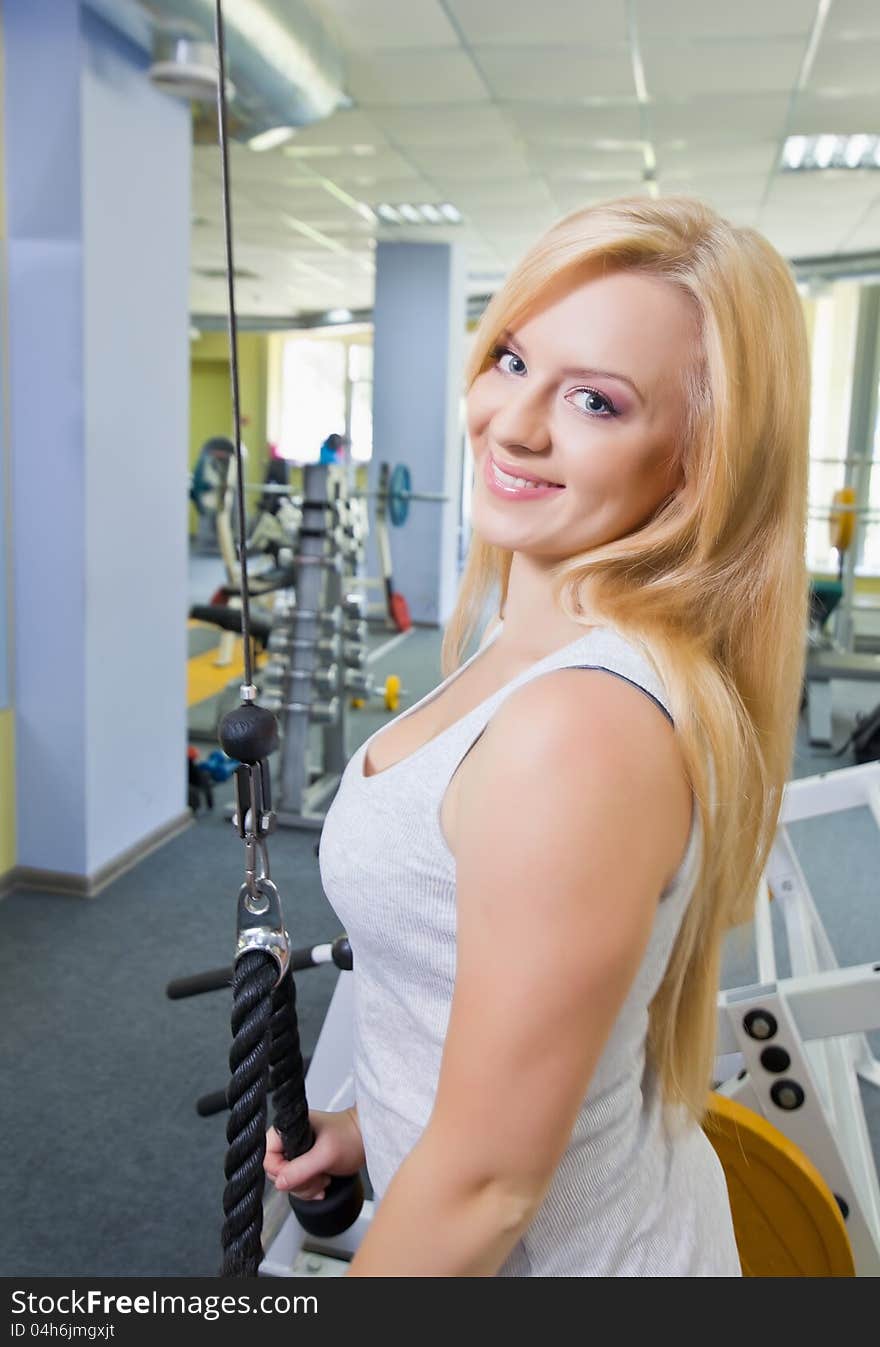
[(205, 680)]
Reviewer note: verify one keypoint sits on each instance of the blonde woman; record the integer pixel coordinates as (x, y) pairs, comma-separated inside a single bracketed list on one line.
[(537, 863)]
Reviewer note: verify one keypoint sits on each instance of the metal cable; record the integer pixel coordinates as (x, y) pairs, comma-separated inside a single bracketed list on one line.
[(233, 340)]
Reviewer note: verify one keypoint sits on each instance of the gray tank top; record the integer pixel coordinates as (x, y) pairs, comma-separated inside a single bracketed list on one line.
[(630, 1197)]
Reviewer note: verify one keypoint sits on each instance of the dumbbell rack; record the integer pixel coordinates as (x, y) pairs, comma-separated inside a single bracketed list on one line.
[(319, 651)]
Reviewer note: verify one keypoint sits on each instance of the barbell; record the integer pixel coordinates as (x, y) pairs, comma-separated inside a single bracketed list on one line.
[(395, 491)]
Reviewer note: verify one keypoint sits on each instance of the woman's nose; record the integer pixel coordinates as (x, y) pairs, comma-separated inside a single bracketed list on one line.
[(521, 421)]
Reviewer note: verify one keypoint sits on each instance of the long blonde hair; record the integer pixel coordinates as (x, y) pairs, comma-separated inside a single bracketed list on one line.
[(714, 588)]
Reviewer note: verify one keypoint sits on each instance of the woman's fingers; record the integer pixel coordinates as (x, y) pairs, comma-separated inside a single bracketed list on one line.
[(307, 1188)]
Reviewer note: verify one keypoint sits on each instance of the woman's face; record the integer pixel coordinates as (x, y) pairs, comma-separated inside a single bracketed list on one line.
[(586, 394)]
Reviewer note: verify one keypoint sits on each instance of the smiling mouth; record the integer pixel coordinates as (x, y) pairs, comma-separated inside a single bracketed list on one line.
[(508, 478)]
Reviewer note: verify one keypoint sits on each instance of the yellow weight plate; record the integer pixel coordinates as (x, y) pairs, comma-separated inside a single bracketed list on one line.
[(842, 525), (785, 1218), (392, 692)]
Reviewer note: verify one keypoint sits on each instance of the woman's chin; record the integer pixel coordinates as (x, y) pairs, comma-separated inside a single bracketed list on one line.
[(493, 533)]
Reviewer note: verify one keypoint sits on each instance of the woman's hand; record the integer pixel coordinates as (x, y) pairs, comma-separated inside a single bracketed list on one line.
[(338, 1149)]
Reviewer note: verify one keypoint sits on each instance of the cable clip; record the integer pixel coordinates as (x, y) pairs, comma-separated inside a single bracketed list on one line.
[(260, 923)]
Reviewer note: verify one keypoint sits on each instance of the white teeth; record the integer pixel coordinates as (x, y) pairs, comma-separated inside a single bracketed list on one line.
[(506, 479)]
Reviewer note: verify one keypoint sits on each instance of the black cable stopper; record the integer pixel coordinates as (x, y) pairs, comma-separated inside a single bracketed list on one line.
[(248, 733)]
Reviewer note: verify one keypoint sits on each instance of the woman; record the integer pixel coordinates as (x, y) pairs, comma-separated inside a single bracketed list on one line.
[(537, 863)]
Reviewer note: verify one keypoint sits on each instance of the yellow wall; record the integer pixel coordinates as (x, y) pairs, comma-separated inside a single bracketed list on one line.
[(7, 791), (211, 398)]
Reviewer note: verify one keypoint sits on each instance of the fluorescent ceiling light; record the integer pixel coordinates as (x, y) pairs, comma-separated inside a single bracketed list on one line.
[(855, 150), (427, 213), (794, 151), (339, 315), (824, 151), (271, 139), (804, 153)]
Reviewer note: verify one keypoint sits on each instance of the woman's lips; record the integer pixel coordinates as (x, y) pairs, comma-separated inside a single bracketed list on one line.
[(507, 491)]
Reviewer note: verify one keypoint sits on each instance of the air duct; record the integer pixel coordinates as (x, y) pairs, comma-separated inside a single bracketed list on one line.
[(285, 69)]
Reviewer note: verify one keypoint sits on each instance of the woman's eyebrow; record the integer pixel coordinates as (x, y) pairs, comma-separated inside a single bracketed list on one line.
[(507, 335)]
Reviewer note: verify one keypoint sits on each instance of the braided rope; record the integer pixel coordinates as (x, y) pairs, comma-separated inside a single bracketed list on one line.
[(252, 985), (287, 1074)]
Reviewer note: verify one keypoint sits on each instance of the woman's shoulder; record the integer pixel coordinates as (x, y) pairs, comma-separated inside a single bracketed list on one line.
[(609, 761)]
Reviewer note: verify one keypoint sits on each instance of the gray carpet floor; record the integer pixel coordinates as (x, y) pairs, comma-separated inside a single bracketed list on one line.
[(107, 1170)]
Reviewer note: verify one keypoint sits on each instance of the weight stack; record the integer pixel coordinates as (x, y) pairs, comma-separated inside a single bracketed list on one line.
[(317, 572)]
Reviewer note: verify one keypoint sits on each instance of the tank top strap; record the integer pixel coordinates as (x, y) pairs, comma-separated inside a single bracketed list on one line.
[(599, 648)]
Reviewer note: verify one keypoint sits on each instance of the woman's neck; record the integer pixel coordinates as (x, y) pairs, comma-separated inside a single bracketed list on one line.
[(534, 624)]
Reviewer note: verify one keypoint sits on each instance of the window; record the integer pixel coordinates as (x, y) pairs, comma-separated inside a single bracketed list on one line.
[(833, 315), (360, 378), (312, 397), (320, 385)]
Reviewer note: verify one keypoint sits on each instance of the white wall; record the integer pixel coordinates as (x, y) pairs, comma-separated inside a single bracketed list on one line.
[(97, 190), (136, 192)]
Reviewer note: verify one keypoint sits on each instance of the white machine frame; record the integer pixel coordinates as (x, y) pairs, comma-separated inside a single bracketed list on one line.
[(821, 1014)]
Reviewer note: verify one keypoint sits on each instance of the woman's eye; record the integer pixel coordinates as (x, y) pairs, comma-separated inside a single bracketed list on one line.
[(593, 403), (515, 363)]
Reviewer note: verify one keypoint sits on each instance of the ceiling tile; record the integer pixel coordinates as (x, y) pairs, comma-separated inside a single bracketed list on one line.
[(799, 238), (675, 160), (865, 234), (443, 125), (722, 120), (853, 20), (571, 196), (588, 162), (719, 189), (697, 19), (502, 23), (344, 168), (567, 124), (814, 114), (567, 72), (415, 189), (851, 67), (388, 24), (440, 76), (833, 193), (512, 192), (746, 66), (468, 165)]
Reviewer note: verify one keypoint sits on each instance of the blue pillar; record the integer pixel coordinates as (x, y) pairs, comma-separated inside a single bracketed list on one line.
[(97, 189), (420, 316)]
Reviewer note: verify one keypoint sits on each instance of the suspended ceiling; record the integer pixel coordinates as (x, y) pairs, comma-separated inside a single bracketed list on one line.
[(519, 113)]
